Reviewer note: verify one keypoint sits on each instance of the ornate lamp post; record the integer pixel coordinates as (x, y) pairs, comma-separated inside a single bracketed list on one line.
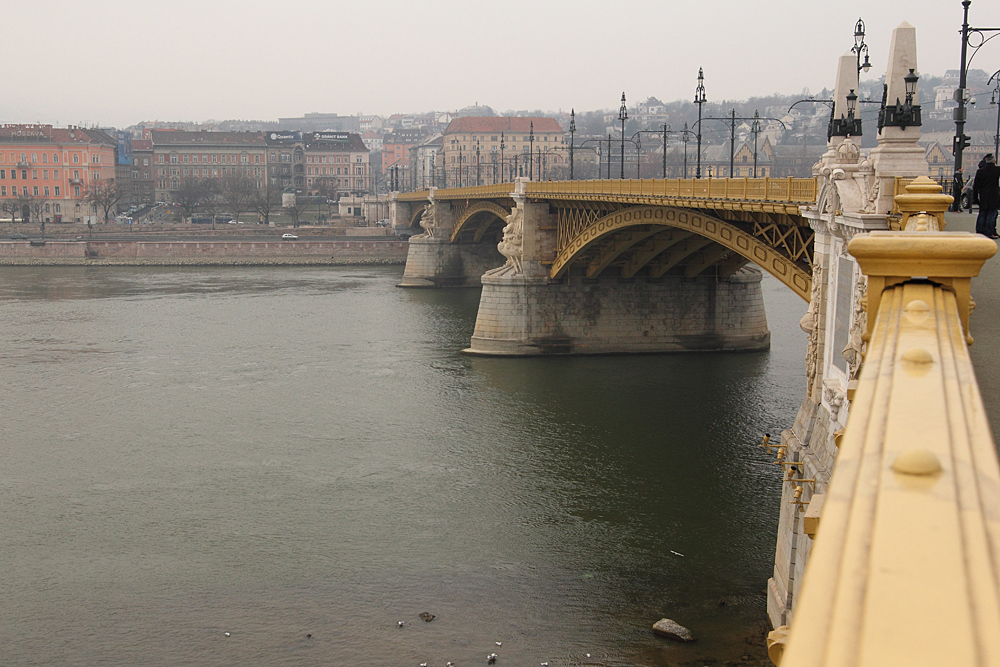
[(478, 181), (623, 116), (531, 149), (572, 133), (860, 46), (699, 99), (904, 114), (755, 128), (501, 156), (995, 102), (685, 140), (974, 37)]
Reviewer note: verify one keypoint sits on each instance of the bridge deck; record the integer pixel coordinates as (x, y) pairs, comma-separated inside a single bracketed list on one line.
[(769, 195)]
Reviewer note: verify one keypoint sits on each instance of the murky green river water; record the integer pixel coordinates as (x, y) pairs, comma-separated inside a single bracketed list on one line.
[(285, 452)]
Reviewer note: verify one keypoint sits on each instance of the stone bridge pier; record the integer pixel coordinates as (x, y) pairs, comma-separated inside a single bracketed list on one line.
[(524, 312), (434, 258)]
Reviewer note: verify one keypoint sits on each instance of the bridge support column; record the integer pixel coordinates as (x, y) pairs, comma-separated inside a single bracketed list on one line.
[(521, 315), (433, 260)]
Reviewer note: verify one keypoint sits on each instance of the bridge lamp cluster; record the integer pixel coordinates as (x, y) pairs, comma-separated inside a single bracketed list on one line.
[(790, 467)]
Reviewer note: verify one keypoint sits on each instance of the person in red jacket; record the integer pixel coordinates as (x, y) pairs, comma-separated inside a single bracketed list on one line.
[(986, 193)]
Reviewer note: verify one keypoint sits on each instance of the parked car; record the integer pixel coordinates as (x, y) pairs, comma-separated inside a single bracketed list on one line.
[(404, 236), (17, 236), (966, 200), (289, 237)]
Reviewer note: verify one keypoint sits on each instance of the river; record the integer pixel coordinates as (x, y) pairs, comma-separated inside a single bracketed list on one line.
[(302, 457)]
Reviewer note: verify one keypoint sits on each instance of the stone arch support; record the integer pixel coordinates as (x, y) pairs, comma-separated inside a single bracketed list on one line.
[(474, 211), (719, 231)]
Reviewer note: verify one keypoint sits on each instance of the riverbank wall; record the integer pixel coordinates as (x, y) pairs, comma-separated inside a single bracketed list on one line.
[(170, 253)]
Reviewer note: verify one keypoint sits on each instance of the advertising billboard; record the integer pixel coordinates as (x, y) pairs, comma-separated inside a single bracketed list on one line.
[(284, 136), (124, 148), (331, 136)]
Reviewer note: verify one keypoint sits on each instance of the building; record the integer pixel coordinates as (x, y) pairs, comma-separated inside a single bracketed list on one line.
[(179, 154), (337, 163), (396, 150), (51, 172), (481, 149), (320, 122), (143, 182), (423, 158)]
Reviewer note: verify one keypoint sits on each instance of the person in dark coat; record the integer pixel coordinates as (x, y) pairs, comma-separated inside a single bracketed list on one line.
[(986, 192)]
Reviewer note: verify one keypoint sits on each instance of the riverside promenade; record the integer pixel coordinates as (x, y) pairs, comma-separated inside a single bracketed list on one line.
[(22, 245)]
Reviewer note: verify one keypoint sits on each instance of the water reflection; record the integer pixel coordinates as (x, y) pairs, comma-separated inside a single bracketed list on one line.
[(321, 459)]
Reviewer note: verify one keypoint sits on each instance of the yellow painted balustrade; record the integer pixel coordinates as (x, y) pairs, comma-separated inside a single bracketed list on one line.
[(905, 569), (771, 194)]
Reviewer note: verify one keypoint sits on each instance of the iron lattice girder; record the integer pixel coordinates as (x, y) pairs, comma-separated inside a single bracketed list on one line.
[(648, 250), (677, 254), (614, 249), (781, 231), (573, 219), (772, 247)]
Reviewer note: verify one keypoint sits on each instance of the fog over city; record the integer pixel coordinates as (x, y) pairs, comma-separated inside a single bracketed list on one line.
[(117, 63)]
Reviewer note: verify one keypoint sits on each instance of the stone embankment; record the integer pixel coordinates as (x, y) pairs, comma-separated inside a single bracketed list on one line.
[(202, 253)]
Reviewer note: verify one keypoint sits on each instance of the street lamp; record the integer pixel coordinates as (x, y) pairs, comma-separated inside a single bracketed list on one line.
[(995, 102), (755, 128), (572, 134), (501, 156), (531, 149), (906, 113), (961, 139), (860, 46), (478, 181), (699, 99), (623, 116)]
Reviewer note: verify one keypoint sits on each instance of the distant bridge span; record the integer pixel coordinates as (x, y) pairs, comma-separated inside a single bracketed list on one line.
[(687, 227)]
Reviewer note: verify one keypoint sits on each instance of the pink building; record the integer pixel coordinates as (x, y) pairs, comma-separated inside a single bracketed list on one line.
[(51, 172)]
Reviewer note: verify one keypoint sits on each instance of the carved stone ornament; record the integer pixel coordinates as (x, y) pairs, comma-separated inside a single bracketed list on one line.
[(848, 152), (872, 185), (834, 398), (427, 221), (810, 324), (512, 244), (855, 350)]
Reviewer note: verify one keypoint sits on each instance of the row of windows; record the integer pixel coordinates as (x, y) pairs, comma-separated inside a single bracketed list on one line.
[(205, 158), (34, 192), (34, 174), (95, 158), (341, 182)]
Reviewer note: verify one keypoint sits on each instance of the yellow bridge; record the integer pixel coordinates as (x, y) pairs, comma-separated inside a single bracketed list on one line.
[(656, 226), (905, 564)]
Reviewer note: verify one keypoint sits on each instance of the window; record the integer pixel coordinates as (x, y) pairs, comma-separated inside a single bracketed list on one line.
[(185, 158), (256, 159), (215, 159), (34, 174), (96, 159), (3, 190), (76, 158), (97, 176), (34, 158), (34, 190), (55, 158), (45, 158), (24, 190), (3, 174), (57, 194), (24, 174), (58, 206), (45, 190), (162, 158), (145, 162), (173, 158)]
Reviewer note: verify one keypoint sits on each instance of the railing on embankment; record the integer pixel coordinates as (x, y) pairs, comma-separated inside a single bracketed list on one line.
[(789, 192), (905, 569)]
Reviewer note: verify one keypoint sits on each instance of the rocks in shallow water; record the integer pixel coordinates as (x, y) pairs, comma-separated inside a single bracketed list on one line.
[(672, 630), (427, 616)]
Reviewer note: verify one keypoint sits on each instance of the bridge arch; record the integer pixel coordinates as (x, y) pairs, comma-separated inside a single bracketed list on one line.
[(723, 233), (418, 213), (480, 215)]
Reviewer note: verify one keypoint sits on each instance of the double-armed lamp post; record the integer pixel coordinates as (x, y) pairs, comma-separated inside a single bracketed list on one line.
[(623, 116), (699, 99)]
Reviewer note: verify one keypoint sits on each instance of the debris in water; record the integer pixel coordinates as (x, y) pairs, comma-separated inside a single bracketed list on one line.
[(677, 553), (427, 616), (227, 634)]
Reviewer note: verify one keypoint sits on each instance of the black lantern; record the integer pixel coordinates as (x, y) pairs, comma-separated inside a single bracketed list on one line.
[(849, 126), (904, 114)]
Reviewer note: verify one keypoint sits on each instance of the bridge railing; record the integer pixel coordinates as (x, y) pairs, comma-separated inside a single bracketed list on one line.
[(905, 569), (785, 190), (782, 190)]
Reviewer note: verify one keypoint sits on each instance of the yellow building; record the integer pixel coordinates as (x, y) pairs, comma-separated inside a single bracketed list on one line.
[(479, 150)]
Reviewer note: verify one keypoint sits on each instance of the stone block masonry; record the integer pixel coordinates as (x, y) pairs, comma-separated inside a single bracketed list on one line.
[(433, 263), (526, 316), (203, 252)]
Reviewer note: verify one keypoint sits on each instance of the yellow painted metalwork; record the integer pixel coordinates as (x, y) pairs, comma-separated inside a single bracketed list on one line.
[(773, 195), (417, 195), (475, 208), (906, 567), (723, 233)]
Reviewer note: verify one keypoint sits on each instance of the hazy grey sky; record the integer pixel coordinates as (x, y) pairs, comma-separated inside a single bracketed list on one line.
[(117, 63)]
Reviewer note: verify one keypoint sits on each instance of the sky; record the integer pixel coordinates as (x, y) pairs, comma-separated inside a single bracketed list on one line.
[(116, 63)]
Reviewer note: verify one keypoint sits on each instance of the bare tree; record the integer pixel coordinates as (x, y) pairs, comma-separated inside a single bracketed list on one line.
[(237, 193), (295, 209), (106, 195), (265, 199), (11, 207), (189, 194), (212, 198)]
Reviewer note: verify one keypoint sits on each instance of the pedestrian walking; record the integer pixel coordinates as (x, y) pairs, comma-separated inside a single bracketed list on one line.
[(986, 193)]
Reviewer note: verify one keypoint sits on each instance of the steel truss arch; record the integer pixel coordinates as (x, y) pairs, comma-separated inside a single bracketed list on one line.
[(724, 233)]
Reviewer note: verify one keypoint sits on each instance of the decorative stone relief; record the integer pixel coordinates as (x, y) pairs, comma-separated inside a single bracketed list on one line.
[(871, 184), (834, 398), (512, 244), (427, 221), (810, 324), (855, 350)]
